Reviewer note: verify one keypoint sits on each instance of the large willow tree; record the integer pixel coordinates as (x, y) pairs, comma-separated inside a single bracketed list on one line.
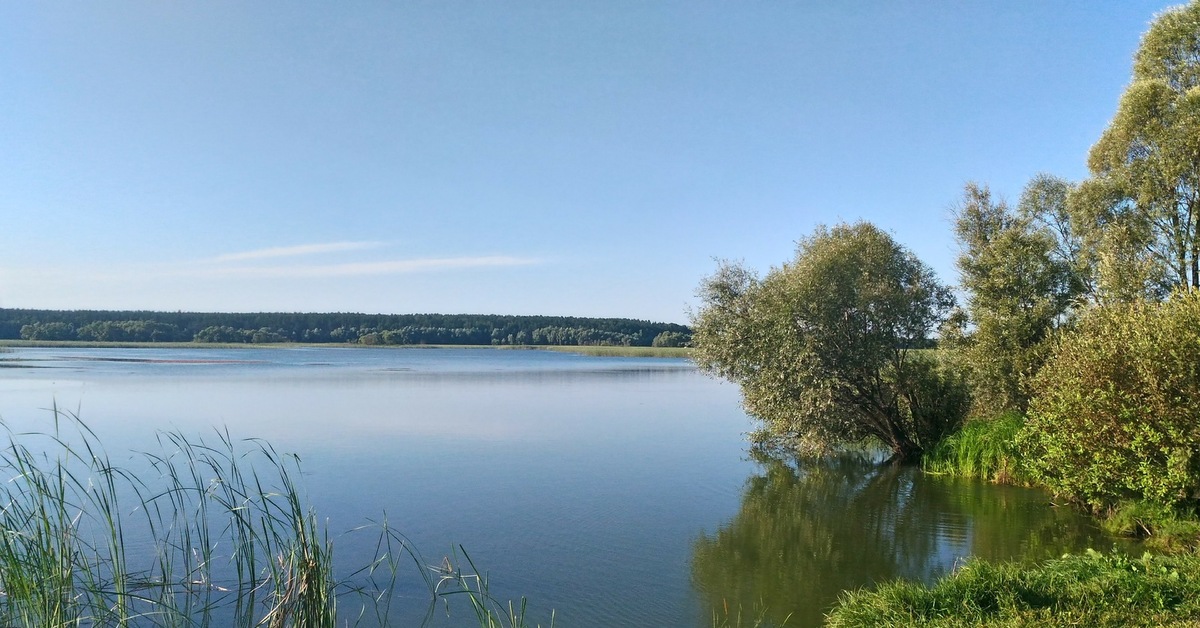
[(823, 346), (1139, 213)]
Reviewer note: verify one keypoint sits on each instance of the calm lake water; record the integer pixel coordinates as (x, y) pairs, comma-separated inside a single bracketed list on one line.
[(615, 491)]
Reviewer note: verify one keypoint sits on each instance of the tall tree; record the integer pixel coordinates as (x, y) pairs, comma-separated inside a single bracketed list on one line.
[(1019, 274), (1139, 212), (822, 347)]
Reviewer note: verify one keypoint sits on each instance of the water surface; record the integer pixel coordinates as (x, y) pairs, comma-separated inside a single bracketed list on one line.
[(615, 491)]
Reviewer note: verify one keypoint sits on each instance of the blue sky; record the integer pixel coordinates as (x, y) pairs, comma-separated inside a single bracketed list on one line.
[(582, 158)]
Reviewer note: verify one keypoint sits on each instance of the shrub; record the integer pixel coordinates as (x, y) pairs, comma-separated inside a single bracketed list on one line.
[(1115, 410)]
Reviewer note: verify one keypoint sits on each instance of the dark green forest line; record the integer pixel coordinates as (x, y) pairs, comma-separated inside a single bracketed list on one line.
[(367, 329)]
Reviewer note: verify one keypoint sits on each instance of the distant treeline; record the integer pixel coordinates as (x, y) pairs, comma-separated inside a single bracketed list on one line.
[(394, 329)]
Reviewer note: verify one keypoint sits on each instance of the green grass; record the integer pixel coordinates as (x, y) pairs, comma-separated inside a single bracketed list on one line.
[(984, 449), (1093, 589), (1160, 526), (231, 542)]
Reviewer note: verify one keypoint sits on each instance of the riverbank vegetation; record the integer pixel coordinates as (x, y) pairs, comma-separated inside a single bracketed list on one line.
[(198, 534), (1092, 589), (1076, 342)]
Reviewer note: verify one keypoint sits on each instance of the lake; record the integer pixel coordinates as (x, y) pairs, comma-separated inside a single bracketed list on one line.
[(613, 491)]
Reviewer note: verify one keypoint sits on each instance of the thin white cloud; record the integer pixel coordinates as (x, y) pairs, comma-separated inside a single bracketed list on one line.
[(361, 269), (298, 250), (139, 274)]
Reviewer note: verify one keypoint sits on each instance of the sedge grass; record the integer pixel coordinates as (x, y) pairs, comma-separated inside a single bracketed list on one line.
[(983, 449), (194, 534)]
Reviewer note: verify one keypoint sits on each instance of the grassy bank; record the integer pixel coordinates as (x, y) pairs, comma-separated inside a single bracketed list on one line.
[(1094, 589), (197, 534)]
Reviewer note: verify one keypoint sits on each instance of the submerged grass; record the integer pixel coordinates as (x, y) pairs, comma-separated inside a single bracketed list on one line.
[(984, 449), (739, 617), (231, 542), (1092, 589)]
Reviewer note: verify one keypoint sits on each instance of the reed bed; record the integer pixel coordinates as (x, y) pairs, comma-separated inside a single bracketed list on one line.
[(194, 534)]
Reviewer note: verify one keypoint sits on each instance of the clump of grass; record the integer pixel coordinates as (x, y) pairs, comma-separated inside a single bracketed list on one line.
[(1092, 589), (196, 534), (1160, 526), (737, 617), (984, 449)]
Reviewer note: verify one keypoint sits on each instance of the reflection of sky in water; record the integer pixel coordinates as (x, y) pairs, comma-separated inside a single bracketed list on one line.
[(583, 483), (574, 480)]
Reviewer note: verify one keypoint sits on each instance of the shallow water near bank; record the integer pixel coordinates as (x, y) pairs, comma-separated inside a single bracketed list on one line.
[(615, 491)]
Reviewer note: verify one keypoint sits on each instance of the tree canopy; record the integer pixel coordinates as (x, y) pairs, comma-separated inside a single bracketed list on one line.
[(1019, 272), (1139, 212), (822, 347)]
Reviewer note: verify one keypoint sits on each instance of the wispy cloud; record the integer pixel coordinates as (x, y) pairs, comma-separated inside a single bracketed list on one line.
[(359, 269), (140, 274), (295, 251)]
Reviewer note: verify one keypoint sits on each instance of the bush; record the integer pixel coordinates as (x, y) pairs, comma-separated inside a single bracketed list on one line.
[(1115, 410)]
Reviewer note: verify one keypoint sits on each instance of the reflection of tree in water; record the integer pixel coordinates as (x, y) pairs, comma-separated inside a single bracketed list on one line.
[(809, 530)]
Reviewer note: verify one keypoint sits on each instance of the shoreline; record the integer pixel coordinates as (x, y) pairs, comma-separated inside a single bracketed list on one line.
[(589, 350)]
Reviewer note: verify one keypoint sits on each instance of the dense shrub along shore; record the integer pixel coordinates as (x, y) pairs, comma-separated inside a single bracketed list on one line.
[(1110, 427), (1075, 340)]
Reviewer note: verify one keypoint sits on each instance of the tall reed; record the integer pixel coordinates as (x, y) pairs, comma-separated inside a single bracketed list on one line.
[(983, 448), (194, 534)]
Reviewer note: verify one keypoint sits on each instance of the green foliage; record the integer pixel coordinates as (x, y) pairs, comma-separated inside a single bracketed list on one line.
[(1139, 211), (1020, 281), (48, 331), (822, 347), (221, 334), (1093, 589), (671, 339), (983, 448), (399, 329), (1116, 407), (129, 331)]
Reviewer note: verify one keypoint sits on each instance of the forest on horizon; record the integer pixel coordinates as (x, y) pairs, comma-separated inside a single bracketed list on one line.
[(367, 329)]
